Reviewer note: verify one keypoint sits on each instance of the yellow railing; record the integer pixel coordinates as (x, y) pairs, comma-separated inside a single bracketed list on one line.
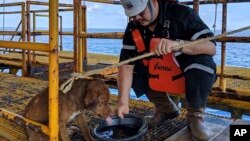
[(52, 48)]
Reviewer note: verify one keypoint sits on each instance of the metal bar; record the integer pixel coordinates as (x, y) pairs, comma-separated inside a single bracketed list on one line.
[(38, 53), (28, 34), (22, 121), (61, 29), (76, 35), (224, 101), (222, 80), (114, 35), (25, 45), (40, 15), (11, 4), (47, 4), (230, 102), (16, 30), (80, 45), (234, 39), (196, 5), (37, 11), (24, 57), (53, 71), (84, 40), (234, 76), (60, 10), (34, 37), (10, 33)]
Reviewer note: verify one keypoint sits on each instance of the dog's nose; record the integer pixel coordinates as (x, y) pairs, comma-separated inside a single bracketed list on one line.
[(109, 120)]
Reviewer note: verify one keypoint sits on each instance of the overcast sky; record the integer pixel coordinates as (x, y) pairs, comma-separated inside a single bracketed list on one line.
[(112, 16)]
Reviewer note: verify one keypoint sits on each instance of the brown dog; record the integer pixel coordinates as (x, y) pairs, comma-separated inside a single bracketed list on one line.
[(85, 94)]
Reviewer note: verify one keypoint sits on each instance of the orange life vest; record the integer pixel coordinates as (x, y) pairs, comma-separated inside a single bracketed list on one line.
[(165, 74), (139, 44)]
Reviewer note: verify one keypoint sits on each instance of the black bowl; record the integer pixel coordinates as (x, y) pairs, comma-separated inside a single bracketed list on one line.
[(131, 128)]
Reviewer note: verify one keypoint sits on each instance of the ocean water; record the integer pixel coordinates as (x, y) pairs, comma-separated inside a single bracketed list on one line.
[(237, 54)]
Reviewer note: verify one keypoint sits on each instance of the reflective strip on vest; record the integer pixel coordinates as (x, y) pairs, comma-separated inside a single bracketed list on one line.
[(198, 34), (128, 47), (199, 66)]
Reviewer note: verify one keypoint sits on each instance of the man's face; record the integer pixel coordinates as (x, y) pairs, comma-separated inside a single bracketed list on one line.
[(143, 18)]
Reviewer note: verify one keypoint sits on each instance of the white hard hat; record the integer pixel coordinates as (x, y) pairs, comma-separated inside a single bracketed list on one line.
[(133, 7)]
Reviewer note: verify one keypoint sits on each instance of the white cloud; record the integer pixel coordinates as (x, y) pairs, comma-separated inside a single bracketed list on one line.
[(94, 7)]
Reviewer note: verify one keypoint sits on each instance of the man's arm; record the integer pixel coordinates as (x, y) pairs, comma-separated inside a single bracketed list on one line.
[(166, 46), (125, 78), (206, 47)]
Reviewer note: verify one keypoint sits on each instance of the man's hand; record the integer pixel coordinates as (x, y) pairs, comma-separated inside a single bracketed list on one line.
[(122, 109), (165, 46)]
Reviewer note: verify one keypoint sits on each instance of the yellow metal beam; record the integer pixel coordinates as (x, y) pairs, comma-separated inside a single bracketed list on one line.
[(25, 45), (53, 70), (229, 102), (10, 132), (47, 4), (20, 120)]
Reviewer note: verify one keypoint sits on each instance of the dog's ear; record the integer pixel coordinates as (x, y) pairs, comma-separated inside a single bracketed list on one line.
[(96, 91), (92, 93)]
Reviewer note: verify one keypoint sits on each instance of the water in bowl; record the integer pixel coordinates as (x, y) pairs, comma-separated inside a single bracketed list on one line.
[(118, 131)]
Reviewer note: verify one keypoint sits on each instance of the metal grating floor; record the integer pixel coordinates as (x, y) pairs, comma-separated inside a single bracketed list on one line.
[(142, 108)]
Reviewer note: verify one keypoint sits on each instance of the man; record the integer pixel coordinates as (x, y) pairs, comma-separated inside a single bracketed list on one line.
[(174, 24)]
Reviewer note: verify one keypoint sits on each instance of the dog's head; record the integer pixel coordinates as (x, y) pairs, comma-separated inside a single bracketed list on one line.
[(97, 98)]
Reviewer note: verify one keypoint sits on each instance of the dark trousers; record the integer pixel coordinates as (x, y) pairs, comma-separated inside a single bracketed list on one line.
[(198, 86)]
